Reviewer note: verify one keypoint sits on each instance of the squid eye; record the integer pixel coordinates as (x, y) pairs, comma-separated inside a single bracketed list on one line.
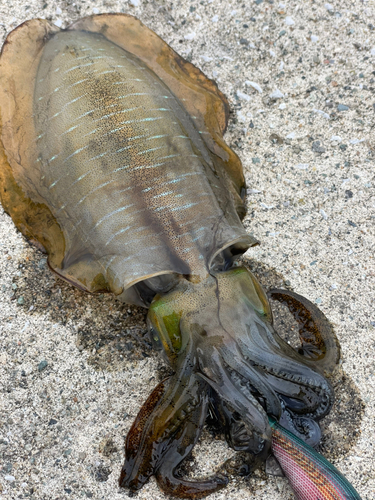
[(154, 337)]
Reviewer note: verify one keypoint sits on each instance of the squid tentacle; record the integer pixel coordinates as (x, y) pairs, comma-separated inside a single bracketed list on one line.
[(165, 431), (319, 344), (245, 374), (303, 427), (182, 446), (240, 400), (237, 436), (275, 357), (160, 420), (302, 398)]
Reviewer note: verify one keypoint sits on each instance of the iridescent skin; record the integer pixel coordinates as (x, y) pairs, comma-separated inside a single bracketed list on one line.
[(112, 161)]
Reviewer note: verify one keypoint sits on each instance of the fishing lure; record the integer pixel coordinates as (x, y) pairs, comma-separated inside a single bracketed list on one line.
[(113, 162), (311, 476)]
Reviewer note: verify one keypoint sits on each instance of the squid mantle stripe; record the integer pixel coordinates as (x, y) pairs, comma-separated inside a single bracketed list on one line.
[(104, 117), (120, 168), (118, 210), (94, 190), (124, 123), (123, 230), (113, 180), (79, 66), (149, 150)]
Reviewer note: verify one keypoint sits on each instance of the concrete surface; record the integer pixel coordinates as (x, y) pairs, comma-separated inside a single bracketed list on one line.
[(72, 375)]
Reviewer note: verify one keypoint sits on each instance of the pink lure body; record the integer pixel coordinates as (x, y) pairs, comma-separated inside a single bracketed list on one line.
[(310, 475)]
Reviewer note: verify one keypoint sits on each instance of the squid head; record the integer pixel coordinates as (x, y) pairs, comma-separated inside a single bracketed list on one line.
[(217, 335)]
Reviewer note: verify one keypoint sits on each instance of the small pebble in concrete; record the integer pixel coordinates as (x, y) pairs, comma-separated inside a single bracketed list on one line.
[(342, 107), (317, 147), (255, 86), (42, 263), (243, 97), (323, 113), (277, 94), (42, 365), (190, 36)]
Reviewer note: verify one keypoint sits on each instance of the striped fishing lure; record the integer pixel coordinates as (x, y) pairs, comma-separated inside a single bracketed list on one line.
[(310, 475)]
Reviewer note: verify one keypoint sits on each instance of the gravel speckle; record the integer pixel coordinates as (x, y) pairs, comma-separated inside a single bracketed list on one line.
[(243, 97), (256, 86), (42, 365), (42, 263), (289, 21), (302, 166), (277, 94), (190, 36), (317, 147), (342, 107)]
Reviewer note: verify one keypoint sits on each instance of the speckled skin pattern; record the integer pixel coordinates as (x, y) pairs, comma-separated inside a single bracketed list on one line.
[(124, 164)]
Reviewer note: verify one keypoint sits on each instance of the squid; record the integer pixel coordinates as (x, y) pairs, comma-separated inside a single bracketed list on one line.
[(113, 163)]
